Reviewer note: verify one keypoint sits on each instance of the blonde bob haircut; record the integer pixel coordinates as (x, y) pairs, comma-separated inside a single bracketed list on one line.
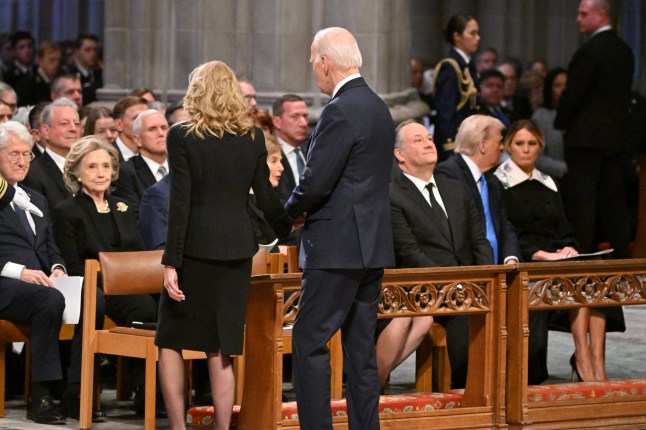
[(77, 153), (474, 129), (215, 103), (271, 144)]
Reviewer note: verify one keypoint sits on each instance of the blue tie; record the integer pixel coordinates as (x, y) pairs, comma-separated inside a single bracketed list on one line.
[(300, 164), (491, 233)]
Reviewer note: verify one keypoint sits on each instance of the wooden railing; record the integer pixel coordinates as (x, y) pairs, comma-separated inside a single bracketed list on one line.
[(475, 291), (565, 285)]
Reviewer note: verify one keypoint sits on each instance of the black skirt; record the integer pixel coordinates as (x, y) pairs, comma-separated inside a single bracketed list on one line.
[(212, 317)]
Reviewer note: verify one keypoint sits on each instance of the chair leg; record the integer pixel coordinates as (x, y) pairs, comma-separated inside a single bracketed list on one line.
[(27, 387), (238, 371), (151, 386), (87, 385)]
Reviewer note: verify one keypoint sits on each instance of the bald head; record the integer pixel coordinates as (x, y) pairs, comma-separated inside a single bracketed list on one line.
[(335, 55), (592, 15)]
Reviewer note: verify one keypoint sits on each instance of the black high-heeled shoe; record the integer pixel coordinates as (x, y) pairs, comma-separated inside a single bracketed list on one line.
[(575, 370)]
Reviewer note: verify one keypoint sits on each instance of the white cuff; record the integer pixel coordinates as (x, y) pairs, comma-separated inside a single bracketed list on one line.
[(12, 270)]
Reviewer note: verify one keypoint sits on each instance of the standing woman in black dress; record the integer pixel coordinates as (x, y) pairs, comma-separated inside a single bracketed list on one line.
[(215, 158)]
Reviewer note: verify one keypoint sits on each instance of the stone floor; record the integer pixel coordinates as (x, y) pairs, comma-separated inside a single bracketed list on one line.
[(625, 352)]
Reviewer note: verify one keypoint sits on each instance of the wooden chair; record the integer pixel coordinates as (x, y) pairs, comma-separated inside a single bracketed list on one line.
[(122, 273), (9, 333)]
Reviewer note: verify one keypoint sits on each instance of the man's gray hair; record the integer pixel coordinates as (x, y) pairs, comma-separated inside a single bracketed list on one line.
[(4, 88), (344, 55), (136, 126), (399, 136), (474, 129), (49, 109), (15, 129)]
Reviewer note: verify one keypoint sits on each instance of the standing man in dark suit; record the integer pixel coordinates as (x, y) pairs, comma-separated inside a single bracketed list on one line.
[(60, 129), (347, 236), (441, 229), (593, 113), (290, 118), (29, 258), (475, 156)]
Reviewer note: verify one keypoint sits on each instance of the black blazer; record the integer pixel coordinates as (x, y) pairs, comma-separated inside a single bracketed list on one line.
[(127, 186), (45, 177), (18, 248), (77, 234), (593, 110), (420, 243), (145, 176), (456, 168), (210, 180)]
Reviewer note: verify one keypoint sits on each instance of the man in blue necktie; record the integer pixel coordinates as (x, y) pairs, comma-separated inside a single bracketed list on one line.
[(478, 145)]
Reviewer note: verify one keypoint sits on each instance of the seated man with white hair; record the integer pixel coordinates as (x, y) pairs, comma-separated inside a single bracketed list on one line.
[(29, 259)]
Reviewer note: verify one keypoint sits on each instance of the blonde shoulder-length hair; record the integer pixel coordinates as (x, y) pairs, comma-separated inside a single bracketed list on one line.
[(215, 103), (74, 159)]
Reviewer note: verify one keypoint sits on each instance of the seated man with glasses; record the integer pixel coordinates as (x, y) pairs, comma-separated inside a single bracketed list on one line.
[(29, 259)]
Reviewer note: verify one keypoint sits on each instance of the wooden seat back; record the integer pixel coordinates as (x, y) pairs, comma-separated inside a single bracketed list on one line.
[(137, 272), (567, 285)]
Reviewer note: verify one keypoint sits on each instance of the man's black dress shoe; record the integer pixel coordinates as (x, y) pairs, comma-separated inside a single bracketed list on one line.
[(71, 407), (45, 411)]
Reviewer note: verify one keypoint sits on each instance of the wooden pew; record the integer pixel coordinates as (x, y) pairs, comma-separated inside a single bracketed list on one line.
[(564, 285), (479, 292)]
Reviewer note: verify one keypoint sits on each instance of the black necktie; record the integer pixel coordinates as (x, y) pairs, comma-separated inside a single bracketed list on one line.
[(440, 215), (24, 222)]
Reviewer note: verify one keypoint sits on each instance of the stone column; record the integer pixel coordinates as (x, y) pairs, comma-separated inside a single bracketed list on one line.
[(156, 44)]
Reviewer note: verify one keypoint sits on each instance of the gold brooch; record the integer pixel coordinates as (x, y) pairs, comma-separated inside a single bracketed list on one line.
[(122, 207)]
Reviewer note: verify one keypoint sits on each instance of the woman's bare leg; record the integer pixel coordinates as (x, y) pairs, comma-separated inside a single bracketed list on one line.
[(598, 344), (223, 388), (580, 324), (172, 379), (390, 344)]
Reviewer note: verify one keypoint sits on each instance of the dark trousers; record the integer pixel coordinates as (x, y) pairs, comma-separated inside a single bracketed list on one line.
[(333, 299), (42, 308), (594, 195), (457, 345), (74, 369)]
